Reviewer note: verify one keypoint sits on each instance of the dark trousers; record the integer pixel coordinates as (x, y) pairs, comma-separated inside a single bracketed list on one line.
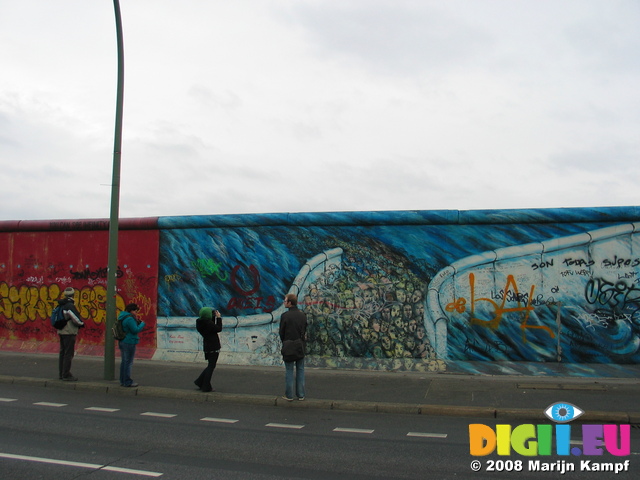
[(204, 380), (67, 350)]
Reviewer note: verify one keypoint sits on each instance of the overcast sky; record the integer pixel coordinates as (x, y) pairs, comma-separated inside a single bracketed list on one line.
[(259, 106)]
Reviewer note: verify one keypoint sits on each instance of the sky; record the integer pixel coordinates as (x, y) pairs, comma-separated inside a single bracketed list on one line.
[(272, 106)]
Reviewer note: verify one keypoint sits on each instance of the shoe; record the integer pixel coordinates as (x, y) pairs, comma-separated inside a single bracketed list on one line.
[(287, 399), (210, 390), (70, 378), (300, 398), (197, 384), (132, 385)]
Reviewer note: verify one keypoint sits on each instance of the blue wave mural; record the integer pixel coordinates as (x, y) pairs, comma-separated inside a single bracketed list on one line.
[(409, 290)]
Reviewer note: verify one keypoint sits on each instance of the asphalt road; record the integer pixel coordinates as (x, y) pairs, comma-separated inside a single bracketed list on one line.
[(109, 436)]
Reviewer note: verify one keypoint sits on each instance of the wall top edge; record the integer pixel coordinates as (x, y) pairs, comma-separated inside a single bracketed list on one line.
[(148, 223), (360, 218)]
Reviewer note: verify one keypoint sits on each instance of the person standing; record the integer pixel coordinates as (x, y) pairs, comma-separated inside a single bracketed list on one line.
[(209, 327), (131, 326), (293, 326), (68, 335)]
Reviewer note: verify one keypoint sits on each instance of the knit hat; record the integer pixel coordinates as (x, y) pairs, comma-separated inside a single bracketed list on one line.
[(206, 313), (69, 292)]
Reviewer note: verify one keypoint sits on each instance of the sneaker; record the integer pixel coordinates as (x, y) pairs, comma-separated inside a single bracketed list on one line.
[(300, 398), (70, 378), (132, 385), (287, 399)]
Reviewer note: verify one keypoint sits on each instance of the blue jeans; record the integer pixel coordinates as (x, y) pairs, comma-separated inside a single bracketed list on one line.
[(299, 365), (127, 352)]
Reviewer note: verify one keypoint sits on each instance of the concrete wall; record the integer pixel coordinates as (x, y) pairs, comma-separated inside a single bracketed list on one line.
[(412, 290)]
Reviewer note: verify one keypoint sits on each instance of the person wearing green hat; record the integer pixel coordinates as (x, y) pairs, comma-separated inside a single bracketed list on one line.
[(209, 324)]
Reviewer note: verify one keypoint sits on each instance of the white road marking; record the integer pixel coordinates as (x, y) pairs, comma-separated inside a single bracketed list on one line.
[(132, 471), (352, 430), (427, 435), (8, 399), (102, 409), (161, 415), (48, 404), (284, 425), (219, 420), (79, 464)]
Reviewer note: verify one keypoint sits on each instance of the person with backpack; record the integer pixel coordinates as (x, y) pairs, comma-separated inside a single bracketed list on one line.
[(209, 329), (131, 326), (68, 334)]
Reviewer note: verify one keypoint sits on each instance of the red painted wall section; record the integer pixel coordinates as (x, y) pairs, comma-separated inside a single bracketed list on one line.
[(36, 266)]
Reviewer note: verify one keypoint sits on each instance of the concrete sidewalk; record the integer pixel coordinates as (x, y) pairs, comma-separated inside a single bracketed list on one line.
[(603, 399)]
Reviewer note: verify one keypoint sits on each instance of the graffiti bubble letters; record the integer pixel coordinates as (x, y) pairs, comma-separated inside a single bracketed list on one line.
[(24, 303), (618, 295)]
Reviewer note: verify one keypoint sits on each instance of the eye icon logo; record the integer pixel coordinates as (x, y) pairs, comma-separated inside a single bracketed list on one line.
[(563, 412)]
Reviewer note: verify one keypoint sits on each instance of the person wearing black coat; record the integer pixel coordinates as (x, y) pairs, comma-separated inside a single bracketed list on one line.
[(209, 327), (293, 326)]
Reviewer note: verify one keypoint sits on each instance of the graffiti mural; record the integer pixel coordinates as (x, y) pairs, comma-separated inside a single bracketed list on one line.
[(366, 310), (37, 266), (574, 299), (414, 290), (410, 293)]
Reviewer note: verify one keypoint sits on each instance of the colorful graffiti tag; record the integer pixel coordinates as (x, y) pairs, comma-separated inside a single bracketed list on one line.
[(35, 267)]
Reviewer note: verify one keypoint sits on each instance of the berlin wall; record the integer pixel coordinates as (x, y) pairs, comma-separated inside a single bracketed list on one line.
[(403, 290)]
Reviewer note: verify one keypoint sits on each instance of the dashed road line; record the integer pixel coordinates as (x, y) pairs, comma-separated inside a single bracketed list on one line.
[(219, 420), (427, 435), (232, 421), (352, 430), (92, 466), (160, 415), (284, 425)]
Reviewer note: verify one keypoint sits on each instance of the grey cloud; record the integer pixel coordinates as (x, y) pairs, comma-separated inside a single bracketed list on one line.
[(392, 37), (226, 100), (611, 42), (620, 157)]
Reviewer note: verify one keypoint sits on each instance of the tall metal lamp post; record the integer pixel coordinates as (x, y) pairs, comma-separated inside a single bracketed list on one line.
[(112, 265)]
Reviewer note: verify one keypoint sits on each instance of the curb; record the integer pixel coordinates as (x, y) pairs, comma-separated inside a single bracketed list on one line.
[(320, 404)]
